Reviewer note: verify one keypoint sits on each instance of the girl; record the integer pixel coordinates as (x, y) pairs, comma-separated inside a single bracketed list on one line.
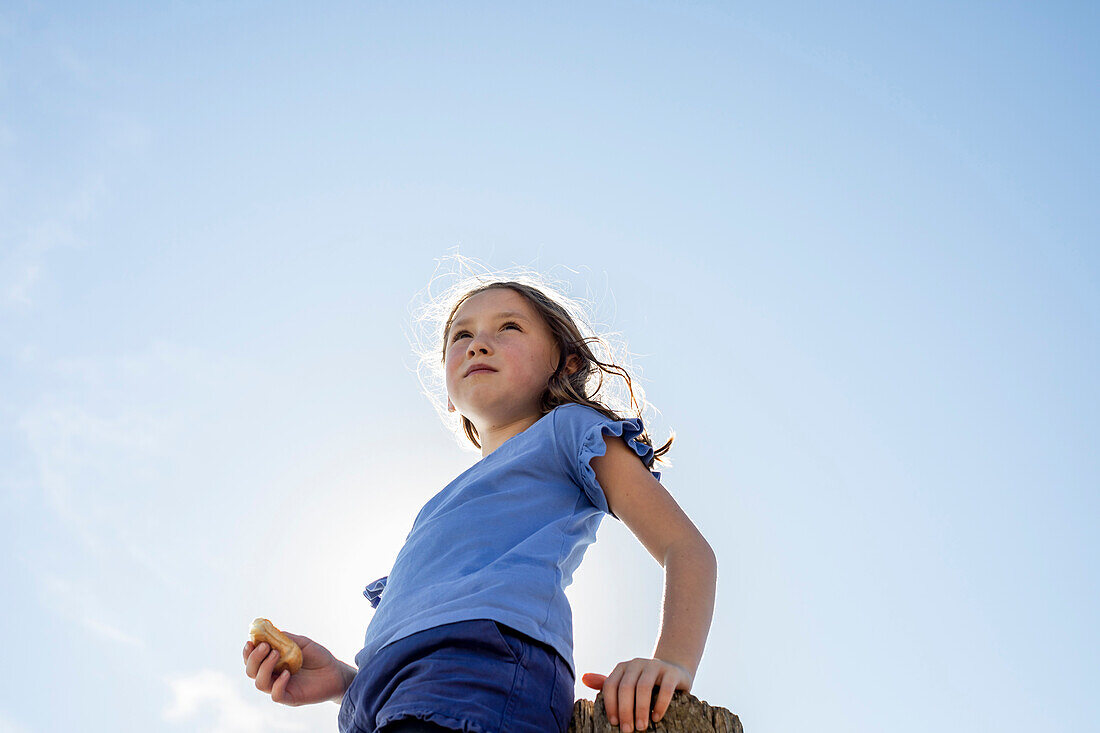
[(472, 629)]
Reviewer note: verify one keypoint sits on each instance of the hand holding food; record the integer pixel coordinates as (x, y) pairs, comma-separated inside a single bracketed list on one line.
[(290, 655), (316, 677)]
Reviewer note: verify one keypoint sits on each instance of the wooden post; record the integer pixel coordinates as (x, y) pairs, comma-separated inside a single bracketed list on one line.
[(686, 714)]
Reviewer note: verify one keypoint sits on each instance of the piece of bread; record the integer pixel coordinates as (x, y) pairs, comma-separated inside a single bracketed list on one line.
[(290, 655)]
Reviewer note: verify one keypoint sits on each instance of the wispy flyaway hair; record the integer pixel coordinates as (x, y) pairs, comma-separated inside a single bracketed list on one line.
[(568, 322)]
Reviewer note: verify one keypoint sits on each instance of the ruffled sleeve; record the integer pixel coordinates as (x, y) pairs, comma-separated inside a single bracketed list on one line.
[(584, 430), (373, 592)]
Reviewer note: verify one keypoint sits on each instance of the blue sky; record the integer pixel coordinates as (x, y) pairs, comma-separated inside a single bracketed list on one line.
[(852, 248)]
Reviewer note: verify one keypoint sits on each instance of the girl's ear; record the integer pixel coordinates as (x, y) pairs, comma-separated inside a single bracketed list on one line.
[(572, 364), (450, 407)]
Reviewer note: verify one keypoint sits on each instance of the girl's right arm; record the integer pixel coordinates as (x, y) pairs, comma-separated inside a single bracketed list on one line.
[(322, 676), (349, 675)]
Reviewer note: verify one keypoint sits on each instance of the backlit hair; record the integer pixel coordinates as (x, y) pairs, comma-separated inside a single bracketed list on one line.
[(566, 320)]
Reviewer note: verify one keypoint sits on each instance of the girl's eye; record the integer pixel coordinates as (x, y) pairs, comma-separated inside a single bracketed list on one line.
[(510, 323)]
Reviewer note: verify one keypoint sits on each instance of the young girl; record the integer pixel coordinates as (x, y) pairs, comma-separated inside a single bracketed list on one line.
[(472, 629)]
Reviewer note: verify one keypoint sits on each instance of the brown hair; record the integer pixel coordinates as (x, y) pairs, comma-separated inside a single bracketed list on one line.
[(561, 316)]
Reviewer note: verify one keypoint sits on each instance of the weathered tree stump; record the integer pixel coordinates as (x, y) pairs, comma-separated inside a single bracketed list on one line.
[(686, 714)]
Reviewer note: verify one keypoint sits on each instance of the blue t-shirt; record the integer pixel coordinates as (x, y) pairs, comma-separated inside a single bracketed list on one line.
[(502, 540)]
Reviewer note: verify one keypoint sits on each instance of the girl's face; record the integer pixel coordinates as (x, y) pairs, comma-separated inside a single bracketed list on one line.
[(499, 328)]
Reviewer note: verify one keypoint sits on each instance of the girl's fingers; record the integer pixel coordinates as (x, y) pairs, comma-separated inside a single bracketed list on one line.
[(626, 707), (263, 673), (278, 690), (664, 697), (611, 698), (260, 664), (267, 669), (255, 659)]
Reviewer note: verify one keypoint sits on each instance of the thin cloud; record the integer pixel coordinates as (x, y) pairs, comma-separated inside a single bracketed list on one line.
[(23, 267), (67, 59), (7, 725), (75, 451), (80, 607), (211, 693), (19, 290), (66, 442)]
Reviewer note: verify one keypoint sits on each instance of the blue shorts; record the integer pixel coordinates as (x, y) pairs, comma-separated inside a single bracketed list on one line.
[(478, 676)]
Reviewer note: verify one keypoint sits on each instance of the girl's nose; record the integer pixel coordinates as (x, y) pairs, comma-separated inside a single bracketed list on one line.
[(478, 345)]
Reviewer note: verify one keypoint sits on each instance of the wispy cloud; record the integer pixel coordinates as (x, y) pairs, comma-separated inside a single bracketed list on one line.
[(68, 443), (81, 607), (77, 450), (85, 447), (87, 456), (55, 220), (83, 455), (19, 287), (21, 269), (68, 60), (210, 693), (7, 725)]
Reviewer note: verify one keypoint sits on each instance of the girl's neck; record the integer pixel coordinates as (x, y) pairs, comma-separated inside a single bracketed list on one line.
[(492, 437)]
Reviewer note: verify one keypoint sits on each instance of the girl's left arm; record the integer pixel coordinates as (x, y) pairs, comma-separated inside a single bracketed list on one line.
[(691, 573)]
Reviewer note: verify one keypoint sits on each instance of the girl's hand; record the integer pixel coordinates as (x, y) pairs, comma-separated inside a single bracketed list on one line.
[(319, 679), (627, 690)]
